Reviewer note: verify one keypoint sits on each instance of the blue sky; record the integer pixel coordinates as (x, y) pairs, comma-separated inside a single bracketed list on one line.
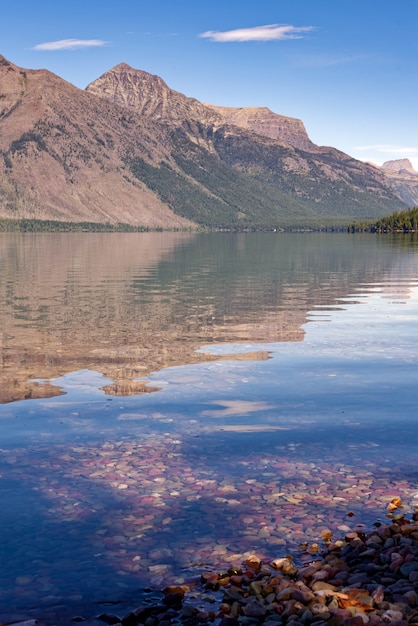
[(347, 68)]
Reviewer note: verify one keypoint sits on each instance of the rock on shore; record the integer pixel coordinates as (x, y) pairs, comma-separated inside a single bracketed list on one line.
[(362, 578)]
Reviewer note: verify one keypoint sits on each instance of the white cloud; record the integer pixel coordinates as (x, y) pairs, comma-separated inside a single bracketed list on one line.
[(379, 153), (389, 149), (269, 32), (69, 44)]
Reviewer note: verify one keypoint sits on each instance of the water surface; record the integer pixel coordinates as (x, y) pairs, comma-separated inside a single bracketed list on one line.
[(207, 397)]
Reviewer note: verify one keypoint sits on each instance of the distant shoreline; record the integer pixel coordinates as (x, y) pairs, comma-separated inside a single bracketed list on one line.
[(36, 225)]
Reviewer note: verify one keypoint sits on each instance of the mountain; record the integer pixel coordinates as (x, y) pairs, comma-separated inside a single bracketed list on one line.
[(149, 95), (399, 166), (129, 149), (403, 179), (63, 154), (261, 120), (288, 185)]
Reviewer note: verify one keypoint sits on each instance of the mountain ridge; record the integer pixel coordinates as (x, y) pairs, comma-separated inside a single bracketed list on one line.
[(129, 149), (147, 93), (266, 123), (403, 179)]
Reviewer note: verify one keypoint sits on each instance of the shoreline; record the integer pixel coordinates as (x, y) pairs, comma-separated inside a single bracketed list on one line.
[(366, 577)]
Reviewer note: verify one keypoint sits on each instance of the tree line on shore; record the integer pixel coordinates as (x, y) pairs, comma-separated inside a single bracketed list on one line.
[(397, 222)]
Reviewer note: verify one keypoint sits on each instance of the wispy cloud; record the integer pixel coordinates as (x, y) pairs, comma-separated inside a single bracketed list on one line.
[(389, 149), (379, 153), (69, 44), (269, 32)]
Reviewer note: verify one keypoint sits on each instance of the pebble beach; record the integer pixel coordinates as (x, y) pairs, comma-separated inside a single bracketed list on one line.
[(363, 577)]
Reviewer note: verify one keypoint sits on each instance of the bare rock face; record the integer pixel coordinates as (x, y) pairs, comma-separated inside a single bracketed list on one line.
[(264, 122), (403, 179), (13, 86), (148, 95), (151, 97), (399, 166)]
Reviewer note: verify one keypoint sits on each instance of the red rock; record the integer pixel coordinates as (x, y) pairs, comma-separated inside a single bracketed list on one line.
[(209, 577)]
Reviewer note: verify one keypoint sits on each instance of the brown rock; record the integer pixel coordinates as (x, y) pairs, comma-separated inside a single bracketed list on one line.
[(254, 562), (320, 585), (264, 122)]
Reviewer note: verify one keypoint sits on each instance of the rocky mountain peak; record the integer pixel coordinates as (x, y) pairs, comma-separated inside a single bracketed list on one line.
[(3, 61), (13, 86), (148, 95), (399, 166), (403, 179)]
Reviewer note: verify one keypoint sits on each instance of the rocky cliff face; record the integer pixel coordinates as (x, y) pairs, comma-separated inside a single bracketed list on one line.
[(399, 166), (403, 179), (129, 149), (264, 122)]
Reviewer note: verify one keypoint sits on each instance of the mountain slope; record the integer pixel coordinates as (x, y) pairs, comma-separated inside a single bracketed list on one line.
[(149, 95), (63, 151), (403, 179), (130, 149), (264, 122), (291, 179)]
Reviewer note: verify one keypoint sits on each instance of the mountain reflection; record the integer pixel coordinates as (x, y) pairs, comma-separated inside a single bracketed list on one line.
[(129, 304)]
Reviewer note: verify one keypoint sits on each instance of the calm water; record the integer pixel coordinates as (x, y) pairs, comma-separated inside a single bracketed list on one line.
[(179, 401)]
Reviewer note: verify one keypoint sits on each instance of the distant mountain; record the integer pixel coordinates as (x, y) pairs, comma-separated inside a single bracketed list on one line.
[(129, 149), (403, 179), (400, 166)]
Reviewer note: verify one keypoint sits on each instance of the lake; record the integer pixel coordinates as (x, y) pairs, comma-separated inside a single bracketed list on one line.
[(177, 401)]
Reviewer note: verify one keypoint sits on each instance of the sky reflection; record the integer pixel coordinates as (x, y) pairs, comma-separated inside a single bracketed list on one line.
[(257, 449)]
